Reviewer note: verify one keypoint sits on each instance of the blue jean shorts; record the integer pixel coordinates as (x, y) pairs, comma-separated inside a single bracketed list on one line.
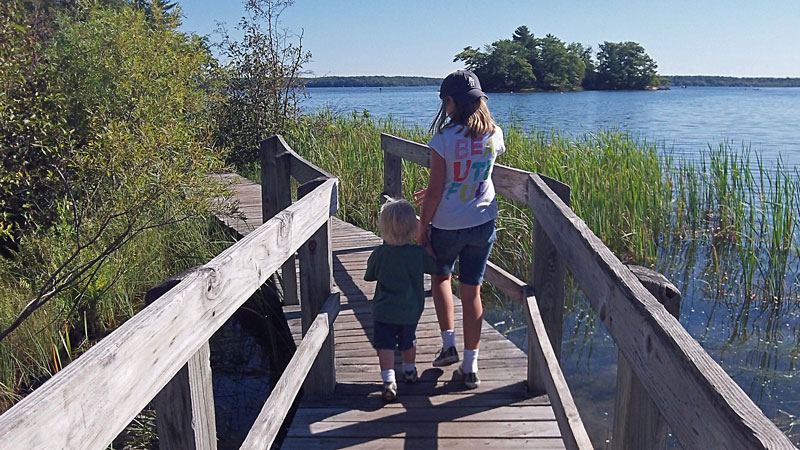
[(470, 245), (390, 336)]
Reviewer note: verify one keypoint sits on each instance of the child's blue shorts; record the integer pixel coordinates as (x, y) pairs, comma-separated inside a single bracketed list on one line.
[(470, 245), (388, 336)]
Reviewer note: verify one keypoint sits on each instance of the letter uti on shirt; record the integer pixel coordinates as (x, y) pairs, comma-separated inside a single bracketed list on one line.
[(468, 198)]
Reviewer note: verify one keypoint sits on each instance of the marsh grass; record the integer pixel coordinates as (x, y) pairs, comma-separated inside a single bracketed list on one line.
[(69, 324)]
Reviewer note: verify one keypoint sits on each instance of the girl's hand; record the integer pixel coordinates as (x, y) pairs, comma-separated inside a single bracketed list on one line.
[(419, 197), (422, 239)]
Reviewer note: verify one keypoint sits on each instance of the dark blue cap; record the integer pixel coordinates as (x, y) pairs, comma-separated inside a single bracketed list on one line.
[(462, 85)]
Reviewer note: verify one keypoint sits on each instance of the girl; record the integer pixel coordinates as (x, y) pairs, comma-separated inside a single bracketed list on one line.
[(399, 299), (460, 207)]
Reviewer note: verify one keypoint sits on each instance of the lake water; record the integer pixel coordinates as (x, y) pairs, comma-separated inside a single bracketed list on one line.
[(755, 340), (686, 120)]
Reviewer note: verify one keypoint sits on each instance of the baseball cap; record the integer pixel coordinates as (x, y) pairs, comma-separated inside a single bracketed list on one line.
[(462, 85)]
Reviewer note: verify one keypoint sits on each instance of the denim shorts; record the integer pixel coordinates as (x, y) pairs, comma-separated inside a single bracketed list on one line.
[(470, 245), (388, 336)]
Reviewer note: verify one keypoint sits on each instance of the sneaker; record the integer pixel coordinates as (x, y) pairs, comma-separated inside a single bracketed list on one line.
[(411, 376), (471, 380), (446, 357), (389, 393)]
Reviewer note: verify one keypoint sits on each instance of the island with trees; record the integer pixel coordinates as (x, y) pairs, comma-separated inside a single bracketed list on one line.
[(525, 62)]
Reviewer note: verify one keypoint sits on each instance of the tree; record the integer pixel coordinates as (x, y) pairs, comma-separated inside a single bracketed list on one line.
[(625, 65), (558, 68), (263, 80), (133, 99)]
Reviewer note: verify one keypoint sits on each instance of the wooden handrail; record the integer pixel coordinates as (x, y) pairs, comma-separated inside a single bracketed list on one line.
[(267, 425), (703, 405), (89, 402), (569, 422)]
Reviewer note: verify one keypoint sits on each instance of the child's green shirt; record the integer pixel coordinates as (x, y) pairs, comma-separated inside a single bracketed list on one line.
[(400, 293)]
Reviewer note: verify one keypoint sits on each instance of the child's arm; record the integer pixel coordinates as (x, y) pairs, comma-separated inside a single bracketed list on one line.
[(433, 195), (371, 273), (428, 263)]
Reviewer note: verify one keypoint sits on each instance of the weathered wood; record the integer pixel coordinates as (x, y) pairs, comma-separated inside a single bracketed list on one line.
[(316, 283), (509, 182), (408, 150), (184, 408), (637, 422), (569, 421), (505, 282), (548, 278), (392, 176), (276, 194), (703, 406), (89, 402), (269, 420), (313, 443)]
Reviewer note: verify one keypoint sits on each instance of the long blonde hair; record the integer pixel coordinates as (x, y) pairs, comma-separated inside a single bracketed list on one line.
[(474, 115)]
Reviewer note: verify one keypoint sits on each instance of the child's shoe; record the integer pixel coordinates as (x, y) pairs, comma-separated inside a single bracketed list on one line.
[(471, 380), (389, 393), (446, 357), (411, 376)]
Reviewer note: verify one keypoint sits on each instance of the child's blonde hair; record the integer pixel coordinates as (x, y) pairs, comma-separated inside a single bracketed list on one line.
[(398, 222), (474, 115)]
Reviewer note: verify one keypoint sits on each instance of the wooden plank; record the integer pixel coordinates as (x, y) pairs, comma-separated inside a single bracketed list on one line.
[(508, 284), (408, 150), (89, 402), (312, 443), (276, 194), (638, 424), (566, 413), (316, 283), (703, 406), (486, 430), (184, 408), (307, 416), (548, 279), (269, 420)]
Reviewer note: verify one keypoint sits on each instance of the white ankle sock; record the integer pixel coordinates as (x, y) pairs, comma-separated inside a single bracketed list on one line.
[(409, 367), (388, 376), (470, 364), (448, 339)]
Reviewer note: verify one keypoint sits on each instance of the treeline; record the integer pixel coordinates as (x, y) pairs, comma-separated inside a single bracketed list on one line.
[(525, 62), (720, 81), (369, 81)]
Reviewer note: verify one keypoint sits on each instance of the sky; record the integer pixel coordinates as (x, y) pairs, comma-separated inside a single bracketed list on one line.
[(420, 38)]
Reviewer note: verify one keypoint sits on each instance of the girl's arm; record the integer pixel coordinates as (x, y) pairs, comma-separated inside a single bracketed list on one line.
[(433, 195)]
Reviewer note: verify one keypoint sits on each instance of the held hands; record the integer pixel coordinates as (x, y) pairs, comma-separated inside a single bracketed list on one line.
[(422, 239), (419, 197)]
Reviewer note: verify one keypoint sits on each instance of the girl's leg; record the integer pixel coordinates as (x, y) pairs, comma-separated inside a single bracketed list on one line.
[(473, 315), (443, 301)]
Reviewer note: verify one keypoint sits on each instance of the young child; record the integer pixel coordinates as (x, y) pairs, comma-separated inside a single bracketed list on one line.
[(459, 206), (398, 267)]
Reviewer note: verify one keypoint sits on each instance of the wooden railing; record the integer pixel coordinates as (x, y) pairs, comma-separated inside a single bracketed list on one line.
[(86, 405), (702, 405)]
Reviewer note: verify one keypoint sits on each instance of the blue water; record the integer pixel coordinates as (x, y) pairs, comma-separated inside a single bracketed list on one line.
[(685, 120), (756, 340)]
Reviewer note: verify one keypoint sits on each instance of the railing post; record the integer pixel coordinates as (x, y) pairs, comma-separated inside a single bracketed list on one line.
[(185, 417), (392, 174), (316, 284), (548, 277), (276, 194), (638, 424)]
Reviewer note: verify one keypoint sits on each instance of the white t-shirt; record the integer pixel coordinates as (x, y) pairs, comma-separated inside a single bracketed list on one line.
[(468, 198)]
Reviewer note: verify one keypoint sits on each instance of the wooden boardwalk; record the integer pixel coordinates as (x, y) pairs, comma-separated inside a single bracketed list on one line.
[(437, 411)]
